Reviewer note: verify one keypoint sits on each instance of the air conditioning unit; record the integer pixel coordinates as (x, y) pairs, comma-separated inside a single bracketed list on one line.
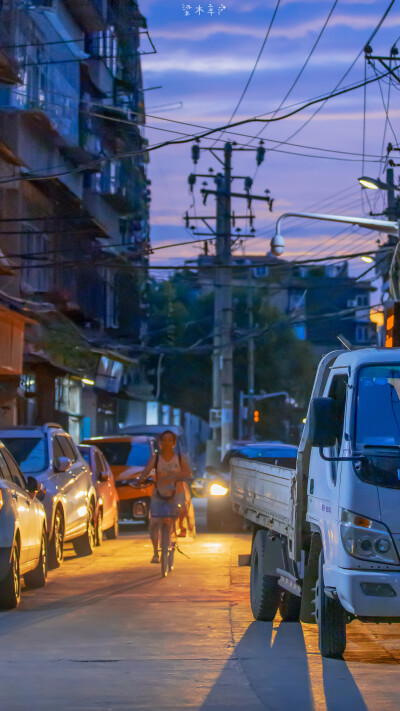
[(351, 303)]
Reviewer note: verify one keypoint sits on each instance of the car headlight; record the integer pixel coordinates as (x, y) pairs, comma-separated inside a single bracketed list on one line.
[(367, 539), (218, 490)]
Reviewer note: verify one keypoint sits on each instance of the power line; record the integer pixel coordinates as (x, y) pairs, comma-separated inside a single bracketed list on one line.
[(347, 72), (313, 48), (164, 144), (255, 64)]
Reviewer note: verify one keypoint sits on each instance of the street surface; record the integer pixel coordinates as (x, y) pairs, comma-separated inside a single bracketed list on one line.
[(108, 633)]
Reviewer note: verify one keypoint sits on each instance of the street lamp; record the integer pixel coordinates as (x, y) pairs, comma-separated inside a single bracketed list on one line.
[(375, 184), (386, 226)]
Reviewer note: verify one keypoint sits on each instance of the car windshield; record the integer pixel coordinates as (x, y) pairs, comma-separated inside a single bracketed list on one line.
[(378, 407), (134, 454), (29, 452)]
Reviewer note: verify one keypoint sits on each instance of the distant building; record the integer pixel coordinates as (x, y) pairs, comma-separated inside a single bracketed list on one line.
[(322, 301)]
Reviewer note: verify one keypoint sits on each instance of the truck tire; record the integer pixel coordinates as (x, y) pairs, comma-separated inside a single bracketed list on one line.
[(264, 591), (289, 607), (331, 619)]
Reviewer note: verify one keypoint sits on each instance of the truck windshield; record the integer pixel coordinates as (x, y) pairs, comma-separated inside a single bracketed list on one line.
[(378, 407)]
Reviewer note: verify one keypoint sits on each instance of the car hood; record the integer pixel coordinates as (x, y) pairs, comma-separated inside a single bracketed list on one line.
[(122, 472)]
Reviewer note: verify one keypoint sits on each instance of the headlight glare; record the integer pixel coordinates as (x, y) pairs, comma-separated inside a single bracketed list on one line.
[(218, 490), (370, 541)]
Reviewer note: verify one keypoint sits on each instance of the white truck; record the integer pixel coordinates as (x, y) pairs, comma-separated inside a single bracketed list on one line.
[(326, 535)]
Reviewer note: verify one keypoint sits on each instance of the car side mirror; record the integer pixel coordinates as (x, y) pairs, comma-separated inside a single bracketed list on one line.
[(62, 464), (33, 485), (102, 476), (323, 422)]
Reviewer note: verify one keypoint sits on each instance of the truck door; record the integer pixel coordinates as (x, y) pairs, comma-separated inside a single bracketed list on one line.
[(323, 495)]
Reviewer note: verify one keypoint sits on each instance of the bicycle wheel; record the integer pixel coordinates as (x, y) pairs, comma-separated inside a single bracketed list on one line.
[(165, 541)]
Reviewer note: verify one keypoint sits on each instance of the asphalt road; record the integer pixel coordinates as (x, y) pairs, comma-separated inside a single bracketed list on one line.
[(108, 633)]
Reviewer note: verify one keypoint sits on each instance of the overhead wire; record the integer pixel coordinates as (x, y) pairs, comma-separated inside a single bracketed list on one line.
[(303, 68), (347, 72), (164, 144), (265, 40)]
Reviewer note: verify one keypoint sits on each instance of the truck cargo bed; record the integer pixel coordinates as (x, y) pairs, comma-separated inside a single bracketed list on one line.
[(264, 494)]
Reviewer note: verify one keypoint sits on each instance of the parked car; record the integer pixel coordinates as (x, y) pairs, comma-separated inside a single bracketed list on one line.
[(127, 456), (156, 430), (219, 506), (106, 514), (23, 537), (69, 497)]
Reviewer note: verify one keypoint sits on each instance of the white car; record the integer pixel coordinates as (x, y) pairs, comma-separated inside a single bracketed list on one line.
[(69, 497), (23, 536)]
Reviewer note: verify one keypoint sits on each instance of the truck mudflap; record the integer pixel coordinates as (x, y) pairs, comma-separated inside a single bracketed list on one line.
[(307, 609)]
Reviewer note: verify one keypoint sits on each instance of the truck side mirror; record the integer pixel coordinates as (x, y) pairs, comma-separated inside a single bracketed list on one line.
[(323, 422)]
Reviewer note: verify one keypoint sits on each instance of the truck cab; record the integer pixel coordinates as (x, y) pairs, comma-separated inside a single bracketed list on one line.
[(353, 486)]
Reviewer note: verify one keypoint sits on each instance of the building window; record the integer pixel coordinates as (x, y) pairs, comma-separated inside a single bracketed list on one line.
[(33, 249), (362, 300), (362, 334)]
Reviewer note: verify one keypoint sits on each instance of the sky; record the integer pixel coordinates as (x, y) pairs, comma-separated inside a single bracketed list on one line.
[(202, 64)]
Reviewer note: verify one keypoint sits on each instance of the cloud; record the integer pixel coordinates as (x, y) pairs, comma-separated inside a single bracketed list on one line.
[(193, 31), (226, 64)]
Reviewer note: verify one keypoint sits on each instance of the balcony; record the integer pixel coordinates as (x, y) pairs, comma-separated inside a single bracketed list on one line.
[(90, 14)]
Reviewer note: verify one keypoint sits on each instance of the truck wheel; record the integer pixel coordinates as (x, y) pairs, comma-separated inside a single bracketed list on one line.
[(289, 607), (264, 591), (331, 618)]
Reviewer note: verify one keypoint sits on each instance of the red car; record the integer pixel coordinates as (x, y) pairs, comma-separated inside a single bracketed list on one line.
[(106, 515)]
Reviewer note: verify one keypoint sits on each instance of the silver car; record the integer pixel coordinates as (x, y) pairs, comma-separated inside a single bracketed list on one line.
[(23, 538), (48, 453)]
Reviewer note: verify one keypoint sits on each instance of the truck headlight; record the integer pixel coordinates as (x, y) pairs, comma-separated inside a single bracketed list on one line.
[(367, 539), (218, 490)]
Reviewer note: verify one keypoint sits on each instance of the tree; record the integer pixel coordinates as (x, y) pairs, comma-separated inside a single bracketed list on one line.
[(181, 324)]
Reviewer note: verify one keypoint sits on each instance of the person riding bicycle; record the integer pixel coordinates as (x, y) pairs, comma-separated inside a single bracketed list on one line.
[(171, 495)]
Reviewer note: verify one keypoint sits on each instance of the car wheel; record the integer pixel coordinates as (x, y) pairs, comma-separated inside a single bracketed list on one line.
[(99, 528), (112, 533), (85, 544), (10, 587), (56, 543), (37, 578)]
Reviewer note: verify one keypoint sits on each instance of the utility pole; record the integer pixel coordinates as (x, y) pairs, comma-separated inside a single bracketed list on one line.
[(250, 361), (221, 415)]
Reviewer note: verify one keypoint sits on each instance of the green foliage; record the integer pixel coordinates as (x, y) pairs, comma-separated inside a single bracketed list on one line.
[(180, 317)]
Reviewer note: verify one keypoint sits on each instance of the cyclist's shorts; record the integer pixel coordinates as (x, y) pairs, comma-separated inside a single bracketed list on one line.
[(164, 509)]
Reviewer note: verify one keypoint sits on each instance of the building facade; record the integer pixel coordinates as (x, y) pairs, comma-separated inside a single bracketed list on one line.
[(74, 204)]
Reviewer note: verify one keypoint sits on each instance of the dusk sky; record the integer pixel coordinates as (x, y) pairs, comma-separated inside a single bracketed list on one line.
[(204, 61)]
